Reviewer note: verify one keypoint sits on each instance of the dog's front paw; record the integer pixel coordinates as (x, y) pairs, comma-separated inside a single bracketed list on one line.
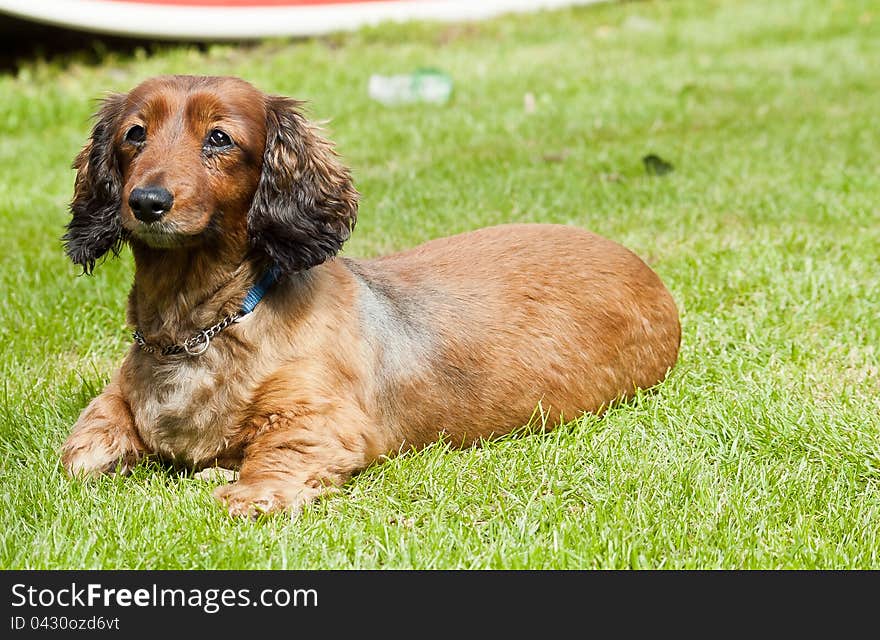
[(103, 440), (91, 455), (254, 498)]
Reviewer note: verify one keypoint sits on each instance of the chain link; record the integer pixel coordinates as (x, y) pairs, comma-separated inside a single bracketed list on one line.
[(190, 345)]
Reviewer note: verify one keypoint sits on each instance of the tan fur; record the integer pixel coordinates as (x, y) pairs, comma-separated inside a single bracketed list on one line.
[(348, 361)]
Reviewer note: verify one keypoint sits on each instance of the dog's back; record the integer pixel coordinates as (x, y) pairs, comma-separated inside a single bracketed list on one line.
[(488, 325)]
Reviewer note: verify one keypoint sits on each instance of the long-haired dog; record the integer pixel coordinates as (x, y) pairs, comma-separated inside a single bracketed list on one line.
[(259, 350)]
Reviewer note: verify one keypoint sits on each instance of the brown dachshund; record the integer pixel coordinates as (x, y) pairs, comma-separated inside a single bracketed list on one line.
[(257, 349)]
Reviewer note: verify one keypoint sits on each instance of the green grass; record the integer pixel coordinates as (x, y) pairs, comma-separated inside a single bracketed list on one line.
[(761, 450)]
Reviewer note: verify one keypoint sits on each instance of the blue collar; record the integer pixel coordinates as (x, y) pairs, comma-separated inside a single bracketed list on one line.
[(253, 297)]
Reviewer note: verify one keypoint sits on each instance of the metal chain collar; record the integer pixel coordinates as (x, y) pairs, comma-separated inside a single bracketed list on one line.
[(194, 346)]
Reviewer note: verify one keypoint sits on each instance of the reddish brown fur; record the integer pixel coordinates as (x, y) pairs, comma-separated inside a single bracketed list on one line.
[(344, 361)]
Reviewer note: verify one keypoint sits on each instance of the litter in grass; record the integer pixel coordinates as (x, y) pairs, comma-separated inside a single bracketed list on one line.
[(217, 474), (423, 85), (657, 166), (558, 156)]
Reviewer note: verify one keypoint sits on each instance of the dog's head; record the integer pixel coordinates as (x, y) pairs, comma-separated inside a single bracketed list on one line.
[(186, 161)]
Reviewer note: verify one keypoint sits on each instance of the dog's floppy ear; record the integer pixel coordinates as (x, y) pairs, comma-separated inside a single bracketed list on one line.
[(305, 206), (95, 227)]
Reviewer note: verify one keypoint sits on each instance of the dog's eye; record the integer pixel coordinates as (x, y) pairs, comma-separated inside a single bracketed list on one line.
[(136, 134), (219, 139)]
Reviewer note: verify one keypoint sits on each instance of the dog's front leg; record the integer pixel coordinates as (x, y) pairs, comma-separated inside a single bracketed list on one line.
[(104, 439), (296, 457)]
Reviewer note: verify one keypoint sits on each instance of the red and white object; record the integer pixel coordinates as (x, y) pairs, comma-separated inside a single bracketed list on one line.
[(251, 19)]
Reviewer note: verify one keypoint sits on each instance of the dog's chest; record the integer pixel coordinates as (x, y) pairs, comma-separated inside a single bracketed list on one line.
[(186, 410)]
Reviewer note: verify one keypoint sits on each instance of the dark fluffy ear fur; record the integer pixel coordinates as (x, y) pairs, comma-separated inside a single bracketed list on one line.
[(95, 227), (305, 206)]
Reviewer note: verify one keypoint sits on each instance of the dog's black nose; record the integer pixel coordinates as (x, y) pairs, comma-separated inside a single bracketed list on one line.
[(150, 203)]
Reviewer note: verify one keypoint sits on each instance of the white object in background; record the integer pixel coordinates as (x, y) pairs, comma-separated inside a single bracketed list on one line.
[(163, 21), (424, 85)]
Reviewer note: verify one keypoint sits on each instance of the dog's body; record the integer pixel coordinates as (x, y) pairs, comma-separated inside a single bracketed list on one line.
[(343, 361)]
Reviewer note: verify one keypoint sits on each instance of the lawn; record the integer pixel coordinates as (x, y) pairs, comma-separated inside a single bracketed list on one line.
[(761, 449)]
